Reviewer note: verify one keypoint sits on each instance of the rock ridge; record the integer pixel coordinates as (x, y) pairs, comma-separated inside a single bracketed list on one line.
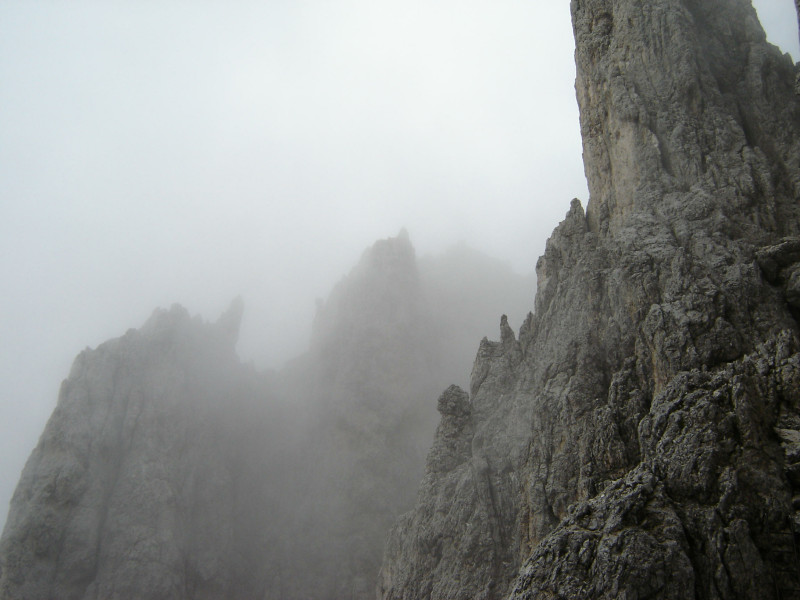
[(631, 439), (115, 500), (171, 470)]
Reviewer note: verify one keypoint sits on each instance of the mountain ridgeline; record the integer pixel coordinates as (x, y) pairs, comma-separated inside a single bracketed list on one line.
[(171, 470), (637, 437)]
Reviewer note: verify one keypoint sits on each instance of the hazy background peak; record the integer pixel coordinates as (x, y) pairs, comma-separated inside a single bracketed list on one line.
[(153, 153)]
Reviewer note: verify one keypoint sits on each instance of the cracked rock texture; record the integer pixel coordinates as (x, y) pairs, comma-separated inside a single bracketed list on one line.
[(639, 437)]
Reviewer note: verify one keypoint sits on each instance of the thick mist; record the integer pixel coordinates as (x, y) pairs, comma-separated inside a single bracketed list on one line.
[(159, 154)]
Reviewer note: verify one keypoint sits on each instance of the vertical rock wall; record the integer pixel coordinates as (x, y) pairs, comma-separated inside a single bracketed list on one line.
[(637, 439), (119, 500)]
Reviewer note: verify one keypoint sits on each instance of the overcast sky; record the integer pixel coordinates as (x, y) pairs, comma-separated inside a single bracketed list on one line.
[(159, 152)]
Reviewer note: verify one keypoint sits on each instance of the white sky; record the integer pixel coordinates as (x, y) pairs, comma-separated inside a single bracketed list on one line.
[(159, 152)]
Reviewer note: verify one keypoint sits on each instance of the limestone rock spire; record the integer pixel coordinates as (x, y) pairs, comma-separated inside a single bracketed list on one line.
[(628, 450), (678, 96)]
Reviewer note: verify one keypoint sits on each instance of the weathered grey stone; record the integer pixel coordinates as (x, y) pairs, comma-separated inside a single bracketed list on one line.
[(119, 499), (699, 515), (170, 470), (773, 260), (629, 436), (639, 438)]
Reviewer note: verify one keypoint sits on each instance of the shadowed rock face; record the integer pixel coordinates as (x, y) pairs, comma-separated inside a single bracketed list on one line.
[(639, 437)]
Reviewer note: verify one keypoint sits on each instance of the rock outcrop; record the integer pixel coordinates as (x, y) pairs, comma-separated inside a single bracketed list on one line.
[(639, 438), (140, 482), (383, 344), (170, 470), (365, 383)]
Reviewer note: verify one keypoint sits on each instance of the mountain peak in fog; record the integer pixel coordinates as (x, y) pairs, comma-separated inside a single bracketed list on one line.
[(165, 434)]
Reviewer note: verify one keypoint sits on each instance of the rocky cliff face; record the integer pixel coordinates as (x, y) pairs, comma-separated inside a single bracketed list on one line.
[(383, 344), (169, 470), (138, 485), (638, 438), (365, 384)]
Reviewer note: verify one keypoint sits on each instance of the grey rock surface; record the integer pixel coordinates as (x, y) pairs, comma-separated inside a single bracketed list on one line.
[(638, 439), (383, 344), (135, 487), (170, 470)]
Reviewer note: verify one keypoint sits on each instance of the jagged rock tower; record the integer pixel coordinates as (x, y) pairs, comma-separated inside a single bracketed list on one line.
[(170, 470), (140, 483), (641, 437)]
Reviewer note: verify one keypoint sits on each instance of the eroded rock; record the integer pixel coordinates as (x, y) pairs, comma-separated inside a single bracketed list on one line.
[(633, 440)]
